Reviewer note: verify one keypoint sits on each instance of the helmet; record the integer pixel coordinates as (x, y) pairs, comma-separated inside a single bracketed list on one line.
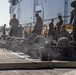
[(40, 40), (63, 42), (73, 3)]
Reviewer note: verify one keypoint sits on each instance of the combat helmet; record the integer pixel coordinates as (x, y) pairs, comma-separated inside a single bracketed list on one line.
[(73, 3), (63, 42)]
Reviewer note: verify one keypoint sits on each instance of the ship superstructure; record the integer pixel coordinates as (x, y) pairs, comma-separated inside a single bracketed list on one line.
[(25, 10)]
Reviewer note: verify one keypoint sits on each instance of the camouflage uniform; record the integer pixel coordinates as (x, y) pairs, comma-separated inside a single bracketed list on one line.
[(14, 27), (73, 17), (65, 34), (38, 26), (51, 25), (59, 24)]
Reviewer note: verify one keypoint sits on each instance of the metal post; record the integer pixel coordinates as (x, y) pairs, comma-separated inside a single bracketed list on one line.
[(18, 11), (35, 4), (43, 10), (65, 11)]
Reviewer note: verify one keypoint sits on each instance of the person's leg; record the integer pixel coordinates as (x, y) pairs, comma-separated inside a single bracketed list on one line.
[(11, 32), (15, 32), (58, 33), (74, 32), (74, 35)]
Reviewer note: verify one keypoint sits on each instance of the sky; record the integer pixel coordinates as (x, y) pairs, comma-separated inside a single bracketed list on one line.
[(4, 12)]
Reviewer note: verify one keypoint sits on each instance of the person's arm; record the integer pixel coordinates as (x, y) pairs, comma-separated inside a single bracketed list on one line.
[(10, 23), (71, 19), (18, 22)]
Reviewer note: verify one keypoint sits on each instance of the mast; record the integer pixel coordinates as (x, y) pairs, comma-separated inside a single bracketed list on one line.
[(65, 11)]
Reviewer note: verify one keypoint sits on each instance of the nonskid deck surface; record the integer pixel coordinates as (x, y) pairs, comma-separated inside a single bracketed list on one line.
[(16, 63), (9, 56), (17, 60)]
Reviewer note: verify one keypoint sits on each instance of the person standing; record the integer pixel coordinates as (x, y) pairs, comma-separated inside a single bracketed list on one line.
[(54, 34), (51, 25), (20, 30), (73, 19), (14, 26), (59, 24), (4, 31), (38, 25)]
